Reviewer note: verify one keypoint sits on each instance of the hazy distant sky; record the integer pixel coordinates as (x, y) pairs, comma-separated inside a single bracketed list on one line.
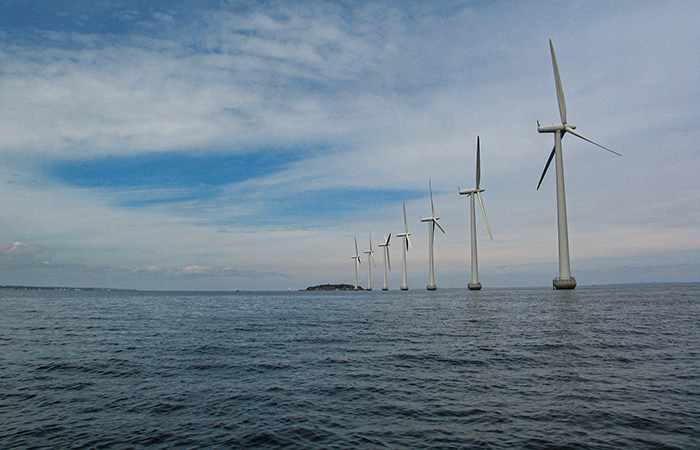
[(187, 144)]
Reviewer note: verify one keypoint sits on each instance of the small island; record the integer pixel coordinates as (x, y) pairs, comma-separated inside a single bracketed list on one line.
[(334, 287)]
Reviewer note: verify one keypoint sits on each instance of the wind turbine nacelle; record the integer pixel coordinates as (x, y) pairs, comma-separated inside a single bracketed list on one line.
[(429, 219), (471, 191), (554, 128), (403, 234)]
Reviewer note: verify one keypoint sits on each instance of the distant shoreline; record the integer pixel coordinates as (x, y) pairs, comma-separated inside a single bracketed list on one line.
[(57, 288)]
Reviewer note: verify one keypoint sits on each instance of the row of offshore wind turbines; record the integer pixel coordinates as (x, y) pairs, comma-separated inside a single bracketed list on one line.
[(564, 281)]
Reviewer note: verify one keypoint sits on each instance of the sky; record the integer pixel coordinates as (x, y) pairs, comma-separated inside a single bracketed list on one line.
[(197, 145)]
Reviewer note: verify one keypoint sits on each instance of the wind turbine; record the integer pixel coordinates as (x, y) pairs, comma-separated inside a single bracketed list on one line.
[(356, 257), (370, 259), (431, 237), (406, 246), (476, 192), (565, 280), (387, 261)]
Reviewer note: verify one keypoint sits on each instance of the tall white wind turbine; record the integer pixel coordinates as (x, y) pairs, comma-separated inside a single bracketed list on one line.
[(476, 192), (406, 247), (565, 280), (370, 259), (387, 261), (433, 220), (356, 257)]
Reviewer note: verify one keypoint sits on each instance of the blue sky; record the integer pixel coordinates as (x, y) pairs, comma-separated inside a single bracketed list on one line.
[(223, 145)]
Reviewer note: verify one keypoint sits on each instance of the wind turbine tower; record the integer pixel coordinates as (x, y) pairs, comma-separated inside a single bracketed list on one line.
[(475, 285), (387, 261), (433, 220), (356, 257), (565, 280), (406, 246), (370, 259)]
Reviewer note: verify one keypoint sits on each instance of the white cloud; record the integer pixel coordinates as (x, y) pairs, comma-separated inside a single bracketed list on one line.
[(391, 95)]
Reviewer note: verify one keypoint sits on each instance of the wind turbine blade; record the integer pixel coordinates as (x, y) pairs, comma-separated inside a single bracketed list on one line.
[(579, 135), (483, 210), (557, 82), (549, 161), (388, 258), (438, 225), (478, 162), (371, 258), (408, 243), (388, 239), (357, 252), (432, 206), (405, 221)]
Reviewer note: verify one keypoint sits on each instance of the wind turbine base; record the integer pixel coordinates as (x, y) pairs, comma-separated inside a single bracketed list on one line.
[(564, 283), (474, 286)]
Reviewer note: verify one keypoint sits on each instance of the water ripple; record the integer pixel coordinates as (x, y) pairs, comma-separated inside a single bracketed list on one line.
[(604, 368)]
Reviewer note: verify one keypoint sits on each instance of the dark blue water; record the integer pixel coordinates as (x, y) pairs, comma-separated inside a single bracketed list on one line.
[(598, 367)]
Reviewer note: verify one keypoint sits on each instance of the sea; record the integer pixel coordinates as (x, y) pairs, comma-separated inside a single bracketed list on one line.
[(599, 367)]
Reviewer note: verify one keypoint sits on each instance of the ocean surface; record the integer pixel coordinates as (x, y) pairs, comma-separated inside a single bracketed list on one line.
[(604, 367)]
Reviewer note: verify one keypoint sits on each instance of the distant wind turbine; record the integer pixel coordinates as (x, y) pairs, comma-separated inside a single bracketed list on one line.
[(356, 257), (565, 279), (431, 238), (406, 246), (370, 259), (476, 192), (387, 261)]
